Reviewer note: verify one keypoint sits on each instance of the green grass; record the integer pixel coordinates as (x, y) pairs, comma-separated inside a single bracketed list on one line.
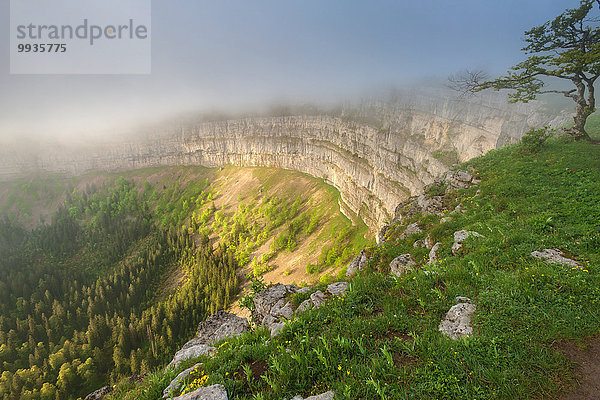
[(381, 339)]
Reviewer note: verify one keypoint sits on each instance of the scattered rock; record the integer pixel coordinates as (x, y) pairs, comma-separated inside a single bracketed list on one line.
[(555, 256), (401, 265), (99, 394), (214, 392), (445, 219), (460, 237), (410, 230), (221, 325), (433, 256), (317, 298), (337, 288), (358, 264), (460, 179), (458, 209), (419, 243), (304, 289), (192, 349), (457, 322), (175, 385), (428, 242), (323, 396)]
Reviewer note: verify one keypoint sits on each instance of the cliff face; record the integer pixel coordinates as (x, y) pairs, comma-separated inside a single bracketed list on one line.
[(376, 153)]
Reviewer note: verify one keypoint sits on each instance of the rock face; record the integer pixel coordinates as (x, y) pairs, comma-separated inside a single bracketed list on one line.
[(457, 322), (377, 153), (337, 289), (99, 394), (214, 392), (221, 325), (401, 265), (555, 256)]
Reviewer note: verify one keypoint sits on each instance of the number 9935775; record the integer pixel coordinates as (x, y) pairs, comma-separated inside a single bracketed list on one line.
[(41, 48)]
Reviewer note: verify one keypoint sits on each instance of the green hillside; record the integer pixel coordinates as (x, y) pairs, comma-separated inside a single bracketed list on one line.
[(381, 339), (122, 267)]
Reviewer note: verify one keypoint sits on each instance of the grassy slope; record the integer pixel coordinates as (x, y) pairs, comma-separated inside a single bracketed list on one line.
[(381, 339)]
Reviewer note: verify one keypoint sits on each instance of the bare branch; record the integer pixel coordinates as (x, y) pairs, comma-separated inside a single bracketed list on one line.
[(467, 81)]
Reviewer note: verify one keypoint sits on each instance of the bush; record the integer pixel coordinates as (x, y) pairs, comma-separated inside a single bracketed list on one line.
[(533, 140)]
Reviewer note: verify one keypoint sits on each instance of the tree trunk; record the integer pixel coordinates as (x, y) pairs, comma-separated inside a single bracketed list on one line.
[(582, 112)]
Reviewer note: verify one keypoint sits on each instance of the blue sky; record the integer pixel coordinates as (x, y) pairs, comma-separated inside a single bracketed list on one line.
[(236, 54)]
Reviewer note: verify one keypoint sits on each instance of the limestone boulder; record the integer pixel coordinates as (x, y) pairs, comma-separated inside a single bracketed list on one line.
[(214, 392), (221, 325), (401, 265)]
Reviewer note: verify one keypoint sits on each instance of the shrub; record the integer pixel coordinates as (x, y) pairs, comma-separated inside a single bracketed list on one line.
[(533, 140)]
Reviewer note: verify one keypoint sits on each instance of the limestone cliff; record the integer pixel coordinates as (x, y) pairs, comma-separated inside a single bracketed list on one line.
[(377, 153)]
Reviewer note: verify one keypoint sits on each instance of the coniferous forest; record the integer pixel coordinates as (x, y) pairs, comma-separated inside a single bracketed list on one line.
[(83, 299)]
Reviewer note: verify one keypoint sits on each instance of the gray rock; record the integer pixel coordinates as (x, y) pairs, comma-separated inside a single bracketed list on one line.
[(192, 349), (445, 219), (457, 322), (282, 309), (401, 265), (460, 237), (304, 289), (433, 256), (429, 205), (221, 325), (458, 209), (323, 396), (337, 288), (358, 264), (410, 230), (266, 299), (428, 242), (555, 256), (175, 385), (276, 328), (380, 238), (214, 392), (419, 243), (317, 298), (99, 394), (462, 299), (304, 306)]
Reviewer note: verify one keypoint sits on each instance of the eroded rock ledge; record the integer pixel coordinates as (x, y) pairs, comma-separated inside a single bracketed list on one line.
[(376, 153)]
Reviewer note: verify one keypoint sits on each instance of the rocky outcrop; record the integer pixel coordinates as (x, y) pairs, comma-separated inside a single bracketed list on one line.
[(99, 394), (214, 392), (555, 256), (273, 306), (377, 153), (176, 384), (192, 349), (221, 325), (457, 322), (216, 327), (357, 264)]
